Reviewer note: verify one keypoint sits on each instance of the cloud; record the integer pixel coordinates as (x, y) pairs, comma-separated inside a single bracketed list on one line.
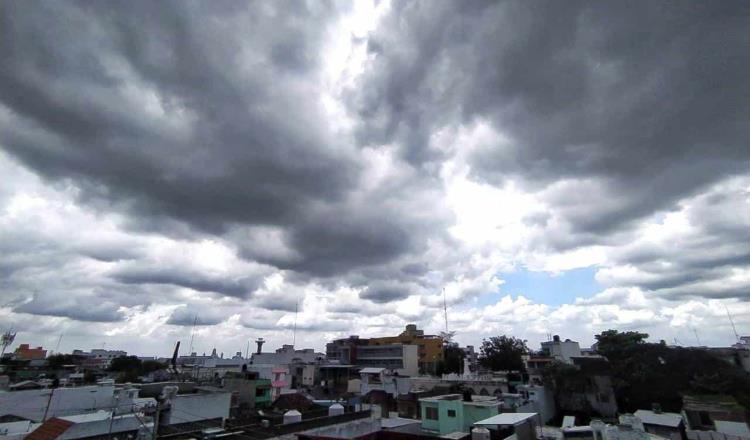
[(632, 126), (336, 168)]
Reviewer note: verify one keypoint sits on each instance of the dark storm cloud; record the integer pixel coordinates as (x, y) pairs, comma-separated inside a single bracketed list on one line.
[(77, 307), (241, 287), (193, 315), (194, 119), (647, 99), (383, 292)]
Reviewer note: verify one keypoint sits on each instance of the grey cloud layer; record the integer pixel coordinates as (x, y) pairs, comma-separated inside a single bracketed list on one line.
[(205, 121), (649, 99)]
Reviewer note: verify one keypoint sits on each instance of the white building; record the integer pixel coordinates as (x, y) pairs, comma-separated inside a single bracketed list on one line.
[(287, 355), (562, 351), (37, 405)]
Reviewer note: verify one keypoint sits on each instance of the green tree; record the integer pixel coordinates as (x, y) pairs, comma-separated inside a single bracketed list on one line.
[(453, 358), (644, 373), (503, 353), (126, 364), (150, 366), (612, 343)]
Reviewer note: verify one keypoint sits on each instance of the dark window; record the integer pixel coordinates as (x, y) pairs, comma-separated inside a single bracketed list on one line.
[(451, 413), (259, 392), (705, 418), (431, 413)]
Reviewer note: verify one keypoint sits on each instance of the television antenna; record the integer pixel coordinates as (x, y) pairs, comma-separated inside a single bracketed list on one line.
[(731, 321)]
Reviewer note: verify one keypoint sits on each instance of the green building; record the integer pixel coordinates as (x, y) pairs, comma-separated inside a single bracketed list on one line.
[(450, 413)]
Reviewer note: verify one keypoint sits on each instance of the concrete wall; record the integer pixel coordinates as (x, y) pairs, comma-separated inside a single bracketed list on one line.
[(31, 404), (411, 361), (120, 424), (195, 407)]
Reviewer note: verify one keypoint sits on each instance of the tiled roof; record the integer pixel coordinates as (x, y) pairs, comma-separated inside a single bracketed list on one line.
[(50, 430)]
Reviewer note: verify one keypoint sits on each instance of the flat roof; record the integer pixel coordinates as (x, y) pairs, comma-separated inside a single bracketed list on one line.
[(372, 370), (649, 417), (507, 419)]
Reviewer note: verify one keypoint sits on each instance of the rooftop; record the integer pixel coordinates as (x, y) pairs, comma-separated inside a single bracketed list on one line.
[(507, 419), (649, 417)]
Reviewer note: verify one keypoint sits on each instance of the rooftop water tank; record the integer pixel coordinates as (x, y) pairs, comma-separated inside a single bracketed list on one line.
[(292, 416), (480, 433), (335, 410)]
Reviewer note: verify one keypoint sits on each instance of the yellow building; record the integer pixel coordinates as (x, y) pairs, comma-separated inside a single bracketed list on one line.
[(430, 350)]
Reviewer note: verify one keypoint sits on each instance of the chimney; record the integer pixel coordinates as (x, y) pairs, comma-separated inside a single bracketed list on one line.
[(260, 342), (556, 338)]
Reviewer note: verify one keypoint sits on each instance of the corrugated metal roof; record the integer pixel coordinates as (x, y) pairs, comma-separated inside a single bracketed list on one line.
[(372, 370), (649, 417)]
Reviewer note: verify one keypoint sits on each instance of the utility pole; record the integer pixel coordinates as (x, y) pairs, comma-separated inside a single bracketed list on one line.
[(49, 401), (155, 431), (112, 417)]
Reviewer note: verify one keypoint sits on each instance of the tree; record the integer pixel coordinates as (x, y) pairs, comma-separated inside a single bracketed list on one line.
[(612, 343), (151, 366), (503, 353), (453, 358), (644, 373), (126, 364)]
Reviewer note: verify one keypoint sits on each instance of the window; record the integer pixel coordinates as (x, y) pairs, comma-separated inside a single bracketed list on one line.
[(451, 413), (259, 392), (431, 413)]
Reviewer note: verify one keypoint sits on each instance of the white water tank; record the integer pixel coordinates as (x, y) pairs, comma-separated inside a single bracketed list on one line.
[(292, 416), (480, 433), (335, 410)]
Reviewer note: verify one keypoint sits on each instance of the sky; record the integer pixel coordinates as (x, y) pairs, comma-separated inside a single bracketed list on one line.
[(543, 167)]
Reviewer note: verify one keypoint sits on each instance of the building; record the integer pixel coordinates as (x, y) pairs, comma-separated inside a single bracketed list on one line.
[(562, 351), (92, 425), (399, 358), (519, 426), (248, 390), (667, 425), (287, 355), (430, 347), (451, 413), (26, 353), (708, 412), (535, 366), (41, 404), (538, 399)]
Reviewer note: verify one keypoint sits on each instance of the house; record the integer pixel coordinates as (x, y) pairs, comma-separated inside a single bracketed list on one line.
[(248, 389), (520, 425), (702, 412), (41, 404), (26, 353), (560, 350), (455, 413), (94, 424), (667, 425)]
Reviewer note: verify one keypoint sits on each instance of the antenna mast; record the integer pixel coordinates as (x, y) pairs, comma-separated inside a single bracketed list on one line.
[(696, 337), (192, 333), (294, 330), (445, 311), (731, 321)]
